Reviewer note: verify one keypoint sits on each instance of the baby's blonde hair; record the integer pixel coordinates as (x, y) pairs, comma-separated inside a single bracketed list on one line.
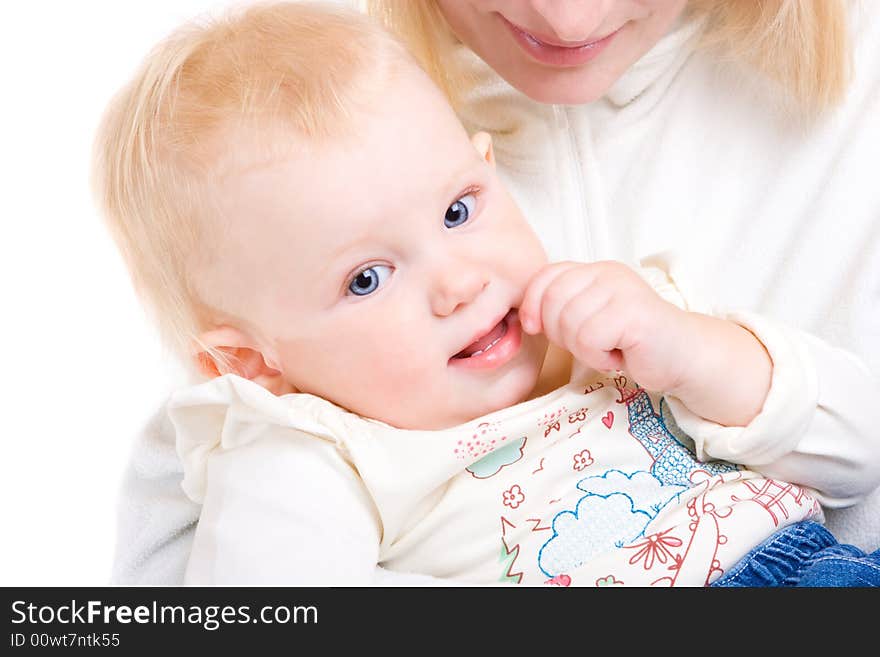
[(801, 44), (162, 142)]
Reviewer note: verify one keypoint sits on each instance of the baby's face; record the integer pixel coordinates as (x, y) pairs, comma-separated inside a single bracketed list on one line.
[(383, 272)]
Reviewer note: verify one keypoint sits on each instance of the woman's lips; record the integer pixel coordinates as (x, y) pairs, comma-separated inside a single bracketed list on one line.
[(495, 348), (557, 55)]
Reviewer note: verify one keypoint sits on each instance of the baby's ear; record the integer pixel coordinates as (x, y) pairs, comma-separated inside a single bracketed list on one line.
[(482, 141), (227, 350)]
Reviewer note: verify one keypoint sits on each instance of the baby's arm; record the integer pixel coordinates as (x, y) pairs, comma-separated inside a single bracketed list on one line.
[(815, 425), (284, 509)]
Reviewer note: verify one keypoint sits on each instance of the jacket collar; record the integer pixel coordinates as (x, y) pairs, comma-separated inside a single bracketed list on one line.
[(661, 62)]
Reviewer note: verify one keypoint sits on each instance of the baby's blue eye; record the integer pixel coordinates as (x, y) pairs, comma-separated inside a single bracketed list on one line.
[(368, 280), (460, 211)]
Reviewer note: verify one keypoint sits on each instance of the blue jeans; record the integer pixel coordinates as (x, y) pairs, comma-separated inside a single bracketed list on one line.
[(804, 554)]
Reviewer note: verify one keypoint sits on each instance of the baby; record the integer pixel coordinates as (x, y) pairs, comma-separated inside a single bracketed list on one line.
[(395, 373)]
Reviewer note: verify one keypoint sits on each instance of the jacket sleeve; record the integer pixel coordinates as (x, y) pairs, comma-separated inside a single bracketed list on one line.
[(155, 521), (816, 427)]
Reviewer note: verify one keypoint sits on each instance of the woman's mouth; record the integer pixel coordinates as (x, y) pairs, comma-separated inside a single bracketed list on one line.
[(558, 55), (493, 349)]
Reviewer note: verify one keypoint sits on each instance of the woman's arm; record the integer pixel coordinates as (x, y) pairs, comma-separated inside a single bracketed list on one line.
[(155, 521)]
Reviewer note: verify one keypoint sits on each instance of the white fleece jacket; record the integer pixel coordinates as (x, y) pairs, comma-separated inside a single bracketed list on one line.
[(693, 158)]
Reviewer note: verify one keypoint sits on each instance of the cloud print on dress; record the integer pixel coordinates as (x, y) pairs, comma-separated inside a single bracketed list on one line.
[(597, 525), (647, 493), (492, 463), (615, 511)]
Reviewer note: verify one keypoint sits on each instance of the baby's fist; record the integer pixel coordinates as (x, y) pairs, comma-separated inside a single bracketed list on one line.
[(609, 318)]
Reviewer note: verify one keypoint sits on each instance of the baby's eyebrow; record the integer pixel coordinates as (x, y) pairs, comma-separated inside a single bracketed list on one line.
[(336, 263), (346, 244), (459, 181)]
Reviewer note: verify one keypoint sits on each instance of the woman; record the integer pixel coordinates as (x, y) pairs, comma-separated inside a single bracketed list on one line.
[(728, 137)]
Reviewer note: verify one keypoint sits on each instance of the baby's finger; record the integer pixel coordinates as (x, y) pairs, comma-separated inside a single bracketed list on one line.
[(598, 341), (603, 361), (530, 308), (590, 302), (569, 285)]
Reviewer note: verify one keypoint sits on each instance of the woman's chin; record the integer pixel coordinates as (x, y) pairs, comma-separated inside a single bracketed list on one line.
[(564, 87)]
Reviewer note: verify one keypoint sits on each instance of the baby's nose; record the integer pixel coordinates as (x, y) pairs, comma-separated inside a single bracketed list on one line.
[(457, 286)]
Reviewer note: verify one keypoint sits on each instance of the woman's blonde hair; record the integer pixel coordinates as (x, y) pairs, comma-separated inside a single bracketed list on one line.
[(163, 139), (801, 44)]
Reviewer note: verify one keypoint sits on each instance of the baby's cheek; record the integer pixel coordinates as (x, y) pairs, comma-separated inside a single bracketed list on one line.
[(397, 388), (530, 254), (402, 362)]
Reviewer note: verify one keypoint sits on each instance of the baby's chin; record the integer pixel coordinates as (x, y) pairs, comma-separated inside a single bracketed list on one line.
[(512, 392), (471, 398)]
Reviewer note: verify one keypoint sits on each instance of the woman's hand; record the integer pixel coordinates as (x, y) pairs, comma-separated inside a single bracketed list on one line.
[(610, 318)]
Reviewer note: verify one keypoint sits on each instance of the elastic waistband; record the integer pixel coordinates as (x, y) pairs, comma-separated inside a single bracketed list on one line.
[(780, 557)]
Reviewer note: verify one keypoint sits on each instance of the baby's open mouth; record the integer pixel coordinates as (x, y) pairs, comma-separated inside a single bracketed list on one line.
[(486, 342)]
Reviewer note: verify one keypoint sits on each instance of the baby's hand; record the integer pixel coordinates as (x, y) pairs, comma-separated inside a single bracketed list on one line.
[(609, 318)]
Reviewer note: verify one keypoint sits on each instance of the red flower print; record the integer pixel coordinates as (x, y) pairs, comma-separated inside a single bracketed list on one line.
[(582, 460), (655, 546), (551, 427), (559, 580), (551, 421), (513, 497)]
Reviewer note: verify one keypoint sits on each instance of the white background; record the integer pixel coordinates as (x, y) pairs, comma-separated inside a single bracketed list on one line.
[(81, 370)]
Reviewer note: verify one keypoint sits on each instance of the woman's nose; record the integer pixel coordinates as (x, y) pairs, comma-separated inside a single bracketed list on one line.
[(572, 21), (457, 285)]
